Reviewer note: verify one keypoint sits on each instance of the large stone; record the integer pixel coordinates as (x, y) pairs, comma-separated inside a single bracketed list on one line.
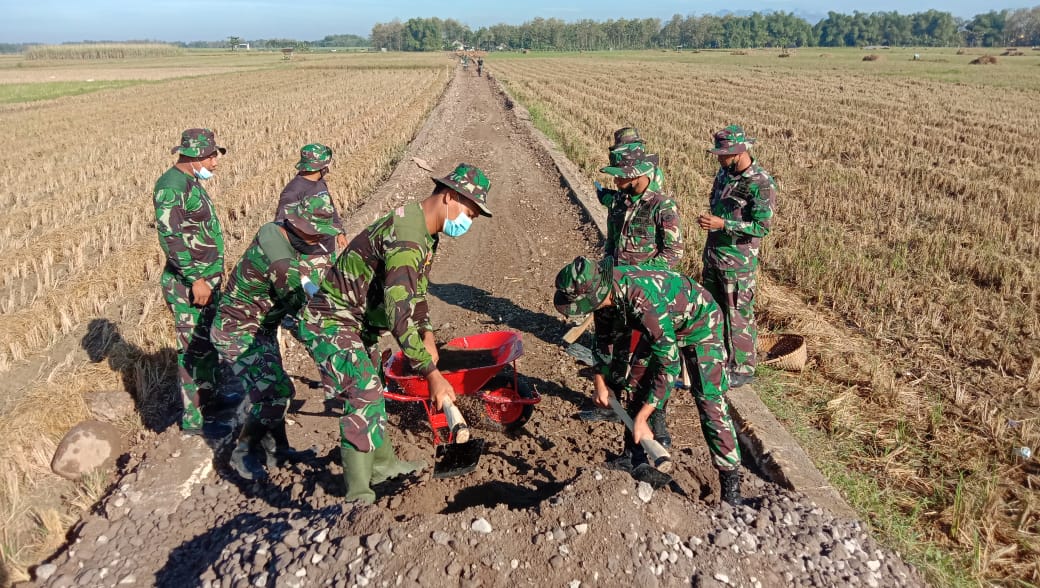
[(111, 405), (88, 446)]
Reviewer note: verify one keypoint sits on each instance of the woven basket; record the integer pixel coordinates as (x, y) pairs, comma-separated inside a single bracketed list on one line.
[(785, 351)]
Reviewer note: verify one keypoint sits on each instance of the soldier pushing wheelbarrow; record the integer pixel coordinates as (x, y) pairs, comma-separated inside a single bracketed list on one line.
[(379, 283)]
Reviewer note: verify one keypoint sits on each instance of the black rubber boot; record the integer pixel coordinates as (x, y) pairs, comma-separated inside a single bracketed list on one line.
[(660, 427), (277, 448), (630, 455), (243, 457), (729, 480)]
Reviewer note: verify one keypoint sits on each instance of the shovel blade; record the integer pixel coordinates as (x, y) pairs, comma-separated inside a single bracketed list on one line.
[(581, 353), (645, 472), (457, 459)]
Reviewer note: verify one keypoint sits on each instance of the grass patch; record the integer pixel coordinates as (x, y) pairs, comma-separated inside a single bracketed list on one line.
[(12, 93), (796, 406)]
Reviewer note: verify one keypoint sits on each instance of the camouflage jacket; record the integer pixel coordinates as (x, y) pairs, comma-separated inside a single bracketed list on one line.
[(379, 283), (297, 190), (265, 285), (189, 230), (642, 230), (670, 311), (746, 203)]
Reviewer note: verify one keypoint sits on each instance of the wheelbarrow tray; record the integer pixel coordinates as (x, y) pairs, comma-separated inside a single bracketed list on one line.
[(504, 348)]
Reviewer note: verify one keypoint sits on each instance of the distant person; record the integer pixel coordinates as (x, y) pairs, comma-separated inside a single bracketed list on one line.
[(480, 66), (742, 202), (193, 243), (643, 229), (269, 283), (379, 283), (678, 322)]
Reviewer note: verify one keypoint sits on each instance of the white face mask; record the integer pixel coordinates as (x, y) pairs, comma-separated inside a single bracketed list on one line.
[(202, 173)]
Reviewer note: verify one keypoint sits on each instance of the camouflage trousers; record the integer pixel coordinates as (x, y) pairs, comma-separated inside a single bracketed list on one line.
[(709, 381), (734, 292), (252, 364), (348, 358), (708, 385), (197, 365)]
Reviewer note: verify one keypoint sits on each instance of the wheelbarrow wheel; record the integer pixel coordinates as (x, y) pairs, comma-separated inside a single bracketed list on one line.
[(508, 417)]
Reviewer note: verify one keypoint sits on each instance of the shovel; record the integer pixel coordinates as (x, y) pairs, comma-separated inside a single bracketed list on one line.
[(657, 474), (462, 455)]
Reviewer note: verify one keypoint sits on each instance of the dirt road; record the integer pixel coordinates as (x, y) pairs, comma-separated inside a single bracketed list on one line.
[(539, 510)]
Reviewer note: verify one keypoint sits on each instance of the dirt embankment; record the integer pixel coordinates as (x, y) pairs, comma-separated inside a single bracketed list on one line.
[(539, 510)]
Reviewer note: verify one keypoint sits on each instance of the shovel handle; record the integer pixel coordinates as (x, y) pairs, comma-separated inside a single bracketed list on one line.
[(572, 335), (658, 455), (456, 424)]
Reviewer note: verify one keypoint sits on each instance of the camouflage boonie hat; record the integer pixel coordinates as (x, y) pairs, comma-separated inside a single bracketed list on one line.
[(731, 141), (197, 143), (630, 161), (626, 136), (469, 181), (312, 216), (314, 157), (582, 285)]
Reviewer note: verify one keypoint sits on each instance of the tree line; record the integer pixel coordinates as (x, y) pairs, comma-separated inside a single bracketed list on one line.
[(930, 28)]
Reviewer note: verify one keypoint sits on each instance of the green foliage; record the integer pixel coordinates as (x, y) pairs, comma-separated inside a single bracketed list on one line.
[(10, 93)]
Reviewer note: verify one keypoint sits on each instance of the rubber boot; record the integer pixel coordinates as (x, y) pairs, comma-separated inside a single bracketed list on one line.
[(387, 466), (277, 448), (626, 462), (243, 460), (357, 474), (659, 426), (729, 480)]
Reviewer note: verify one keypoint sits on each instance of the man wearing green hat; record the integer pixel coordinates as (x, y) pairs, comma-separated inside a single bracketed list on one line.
[(743, 198), (643, 229), (678, 322), (309, 180), (269, 283), (193, 243), (377, 284)]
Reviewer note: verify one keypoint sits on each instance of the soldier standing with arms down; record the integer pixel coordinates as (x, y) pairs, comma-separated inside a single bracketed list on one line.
[(679, 323), (193, 243), (268, 284), (743, 198), (643, 229), (379, 283)]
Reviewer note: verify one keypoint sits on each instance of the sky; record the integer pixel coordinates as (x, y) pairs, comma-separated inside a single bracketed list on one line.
[(55, 21)]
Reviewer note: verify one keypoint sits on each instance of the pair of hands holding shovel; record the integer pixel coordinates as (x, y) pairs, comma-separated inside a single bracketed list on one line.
[(658, 455), (442, 395)]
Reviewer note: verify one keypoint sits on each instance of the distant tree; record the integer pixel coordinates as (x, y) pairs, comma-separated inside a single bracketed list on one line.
[(234, 42)]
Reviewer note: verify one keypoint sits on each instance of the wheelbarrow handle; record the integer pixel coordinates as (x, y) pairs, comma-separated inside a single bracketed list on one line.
[(456, 424), (658, 455)]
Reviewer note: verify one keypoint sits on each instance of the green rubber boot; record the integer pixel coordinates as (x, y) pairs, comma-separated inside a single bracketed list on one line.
[(357, 474), (387, 466)]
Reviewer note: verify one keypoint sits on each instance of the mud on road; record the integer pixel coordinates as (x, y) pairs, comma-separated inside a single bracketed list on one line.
[(539, 510)]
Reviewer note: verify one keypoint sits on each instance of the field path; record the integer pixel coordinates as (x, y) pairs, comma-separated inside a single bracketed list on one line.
[(552, 515)]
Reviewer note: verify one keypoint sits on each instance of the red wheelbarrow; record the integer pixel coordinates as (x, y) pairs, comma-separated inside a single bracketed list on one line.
[(475, 360)]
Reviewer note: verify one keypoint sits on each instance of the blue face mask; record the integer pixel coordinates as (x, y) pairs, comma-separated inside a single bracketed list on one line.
[(202, 173), (459, 226)]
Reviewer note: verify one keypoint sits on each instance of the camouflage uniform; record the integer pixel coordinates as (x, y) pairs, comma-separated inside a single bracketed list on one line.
[(313, 157), (264, 288), (193, 243), (677, 321), (746, 202), (642, 229), (378, 283)]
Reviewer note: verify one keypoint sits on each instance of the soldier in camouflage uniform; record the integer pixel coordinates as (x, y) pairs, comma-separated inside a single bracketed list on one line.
[(379, 283), (313, 166), (678, 322), (268, 284), (193, 243), (643, 229), (742, 202)]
